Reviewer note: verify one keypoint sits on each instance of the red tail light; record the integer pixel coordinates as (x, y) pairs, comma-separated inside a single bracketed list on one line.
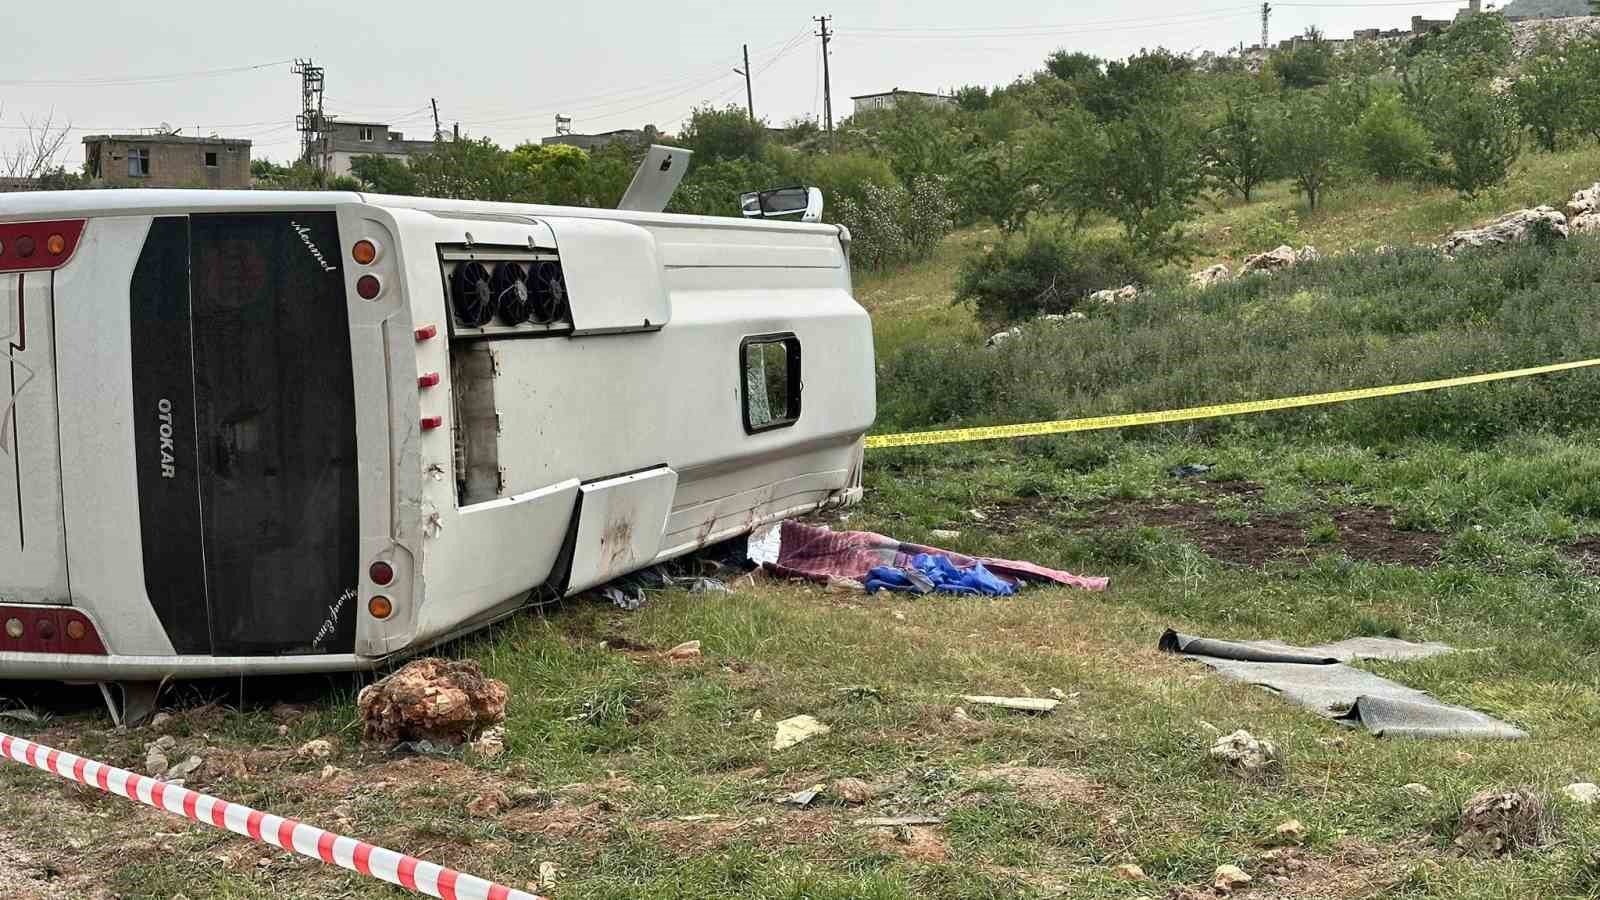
[(48, 629), (21, 244)]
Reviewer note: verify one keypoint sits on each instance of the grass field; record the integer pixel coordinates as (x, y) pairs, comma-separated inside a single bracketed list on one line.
[(1471, 517)]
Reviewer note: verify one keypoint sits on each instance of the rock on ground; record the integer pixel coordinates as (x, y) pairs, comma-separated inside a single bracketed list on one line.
[(1000, 337), (1583, 211), (1129, 872), (1284, 257), (1584, 792), (1214, 275), (850, 790), (1498, 823), (1229, 878), (432, 699), (1243, 753), (1508, 229)]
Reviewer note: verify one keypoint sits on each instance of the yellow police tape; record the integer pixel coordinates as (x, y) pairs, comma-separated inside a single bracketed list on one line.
[(1098, 423)]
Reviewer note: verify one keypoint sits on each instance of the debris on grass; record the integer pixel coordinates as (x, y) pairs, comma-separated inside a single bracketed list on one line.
[(1021, 704), (1243, 754), (795, 729), (852, 791), (803, 798), (547, 875), (1290, 832), (944, 534), (897, 821), (1189, 470), (432, 699), (1229, 879), (1584, 792), (1499, 823), (685, 651), (1130, 872), (1417, 790), (316, 748), (181, 771)]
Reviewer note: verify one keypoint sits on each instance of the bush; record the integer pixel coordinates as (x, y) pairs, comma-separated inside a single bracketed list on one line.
[(890, 224), (1310, 144), (1153, 171), (1389, 141), (1043, 271), (1480, 136)]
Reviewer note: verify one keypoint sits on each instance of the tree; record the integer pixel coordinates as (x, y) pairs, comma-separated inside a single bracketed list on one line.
[(1310, 144), (384, 175), (1068, 155), (1146, 79), (1480, 135), (38, 153), (1545, 94), (725, 133), (1389, 141), (1585, 57), (1070, 66), (469, 170), (1152, 173), (1000, 183), (1308, 64), (1237, 150)]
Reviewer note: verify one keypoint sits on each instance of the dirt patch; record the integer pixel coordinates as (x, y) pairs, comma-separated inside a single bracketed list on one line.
[(1354, 870), (1040, 785), (919, 843), (1586, 553), (783, 831), (1363, 533)]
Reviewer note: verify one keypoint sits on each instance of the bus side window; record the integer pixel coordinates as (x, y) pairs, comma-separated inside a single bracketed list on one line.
[(771, 381)]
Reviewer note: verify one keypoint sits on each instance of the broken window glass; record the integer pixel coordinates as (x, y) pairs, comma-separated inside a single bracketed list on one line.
[(771, 382)]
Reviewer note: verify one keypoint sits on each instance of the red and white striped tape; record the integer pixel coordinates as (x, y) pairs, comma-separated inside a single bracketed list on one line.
[(286, 834)]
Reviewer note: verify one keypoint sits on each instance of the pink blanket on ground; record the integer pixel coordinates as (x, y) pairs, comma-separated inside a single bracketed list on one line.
[(814, 553)]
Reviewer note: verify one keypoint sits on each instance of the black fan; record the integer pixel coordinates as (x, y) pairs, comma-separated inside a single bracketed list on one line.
[(510, 286), (472, 293), (549, 289)]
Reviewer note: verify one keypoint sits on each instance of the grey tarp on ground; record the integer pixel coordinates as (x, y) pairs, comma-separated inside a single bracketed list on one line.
[(1317, 678)]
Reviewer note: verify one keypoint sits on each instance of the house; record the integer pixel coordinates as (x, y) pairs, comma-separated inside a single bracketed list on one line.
[(637, 136), (867, 102), (166, 161), (340, 141)]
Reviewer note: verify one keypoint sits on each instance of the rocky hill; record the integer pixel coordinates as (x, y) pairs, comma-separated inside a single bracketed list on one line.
[(1548, 8)]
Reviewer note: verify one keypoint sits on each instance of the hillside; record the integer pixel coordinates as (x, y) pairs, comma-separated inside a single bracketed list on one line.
[(1550, 8)]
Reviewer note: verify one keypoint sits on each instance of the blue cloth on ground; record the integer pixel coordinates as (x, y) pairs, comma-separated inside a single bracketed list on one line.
[(930, 572)]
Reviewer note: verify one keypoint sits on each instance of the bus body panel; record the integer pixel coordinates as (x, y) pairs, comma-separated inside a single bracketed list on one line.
[(33, 547), (637, 415)]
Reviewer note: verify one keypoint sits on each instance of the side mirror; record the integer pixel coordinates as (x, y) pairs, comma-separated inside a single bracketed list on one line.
[(805, 202)]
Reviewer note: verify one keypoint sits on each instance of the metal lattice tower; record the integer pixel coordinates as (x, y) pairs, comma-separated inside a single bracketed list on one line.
[(1266, 13), (309, 121)]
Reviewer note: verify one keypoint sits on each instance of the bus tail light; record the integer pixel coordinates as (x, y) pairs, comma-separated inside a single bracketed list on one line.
[(48, 629), (369, 287), (427, 333), (429, 423), (428, 380), (380, 607), (364, 252), (38, 246), (381, 573)]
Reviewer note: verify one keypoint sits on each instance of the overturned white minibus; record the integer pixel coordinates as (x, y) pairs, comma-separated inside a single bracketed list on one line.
[(251, 432)]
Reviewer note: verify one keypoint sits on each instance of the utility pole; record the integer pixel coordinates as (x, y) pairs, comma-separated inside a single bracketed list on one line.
[(749, 92), (827, 83), (1266, 13), (309, 122), (438, 133)]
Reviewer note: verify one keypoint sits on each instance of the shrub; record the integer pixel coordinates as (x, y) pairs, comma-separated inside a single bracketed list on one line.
[(1236, 148), (1546, 95), (1480, 136), (1310, 143), (890, 225), (1389, 141), (1043, 271)]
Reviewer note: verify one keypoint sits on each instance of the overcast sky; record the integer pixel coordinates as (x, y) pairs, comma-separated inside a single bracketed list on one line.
[(505, 69)]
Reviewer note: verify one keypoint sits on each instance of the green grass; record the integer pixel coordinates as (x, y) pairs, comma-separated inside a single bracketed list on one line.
[(913, 306), (646, 778)]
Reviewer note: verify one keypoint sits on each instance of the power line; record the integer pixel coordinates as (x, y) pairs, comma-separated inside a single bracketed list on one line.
[(146, 79), (1063, 31)]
